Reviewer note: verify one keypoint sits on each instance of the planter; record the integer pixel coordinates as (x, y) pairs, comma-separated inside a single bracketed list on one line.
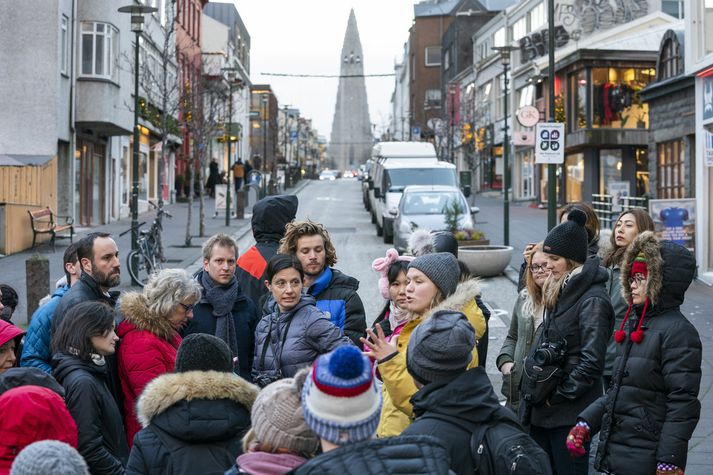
[(485, 261), (477, 242)]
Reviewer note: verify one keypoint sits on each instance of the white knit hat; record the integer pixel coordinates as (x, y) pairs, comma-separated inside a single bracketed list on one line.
[(49, 456)]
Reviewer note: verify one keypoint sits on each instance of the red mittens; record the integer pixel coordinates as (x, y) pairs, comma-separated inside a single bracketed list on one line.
[(576, 439)]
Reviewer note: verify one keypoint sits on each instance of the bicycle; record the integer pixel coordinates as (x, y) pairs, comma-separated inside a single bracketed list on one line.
[(148, 258)]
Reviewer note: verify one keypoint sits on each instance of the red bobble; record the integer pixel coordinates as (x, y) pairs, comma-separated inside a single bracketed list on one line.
[(637, 336), (619, 336)]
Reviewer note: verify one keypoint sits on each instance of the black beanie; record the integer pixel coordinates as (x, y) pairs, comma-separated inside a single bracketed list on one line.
[(569, 239), (203, 352)]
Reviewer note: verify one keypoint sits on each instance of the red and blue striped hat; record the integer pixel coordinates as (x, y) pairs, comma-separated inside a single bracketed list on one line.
[(340, 400)]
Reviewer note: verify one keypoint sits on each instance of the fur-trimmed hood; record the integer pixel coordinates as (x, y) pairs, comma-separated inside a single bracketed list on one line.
[(458, 300), (671, 269), (134, 308), (170, 389)]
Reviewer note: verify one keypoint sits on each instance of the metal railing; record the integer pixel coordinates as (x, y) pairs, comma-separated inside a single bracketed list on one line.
[(603, 206)]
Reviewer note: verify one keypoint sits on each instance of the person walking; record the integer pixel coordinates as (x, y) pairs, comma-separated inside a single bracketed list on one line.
[(629, 224), (213, 178), (238, 175), (149, 334), (270, 216), (525, 327), (279, 440), (335, 292), (194, 418), (223, 310), (82, 341), (392, 270), (648, 415), (569, 355), (296, 332), (433, 286)]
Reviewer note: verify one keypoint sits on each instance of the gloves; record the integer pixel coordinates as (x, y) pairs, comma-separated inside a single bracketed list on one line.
[(576, 439), (663, 468)]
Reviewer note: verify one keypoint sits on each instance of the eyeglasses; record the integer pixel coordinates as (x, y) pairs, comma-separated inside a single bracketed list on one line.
[(536, 269), (187, 308), (282, 285), (639, 279)]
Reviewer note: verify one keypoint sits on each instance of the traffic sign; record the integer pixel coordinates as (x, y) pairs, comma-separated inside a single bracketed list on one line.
[(549, 143), (415, 133)]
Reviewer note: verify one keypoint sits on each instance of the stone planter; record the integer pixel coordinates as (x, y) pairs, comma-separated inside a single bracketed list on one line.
[(477, 242), (485, 261)]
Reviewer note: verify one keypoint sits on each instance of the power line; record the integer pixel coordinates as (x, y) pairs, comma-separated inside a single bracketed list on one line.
[(328, 75)]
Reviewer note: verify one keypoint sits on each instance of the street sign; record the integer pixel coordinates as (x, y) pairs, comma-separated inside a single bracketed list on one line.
[(254, 114), (528, 116), (415, 133), (549, 143), (293, 136)]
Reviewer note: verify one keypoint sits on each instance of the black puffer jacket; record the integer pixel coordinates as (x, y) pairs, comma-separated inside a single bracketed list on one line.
[(309, 335), (413, 455), (651, 409), (470, 399), (193, 422), (270, 216), (102, 441), (583, 317), (86, 289)]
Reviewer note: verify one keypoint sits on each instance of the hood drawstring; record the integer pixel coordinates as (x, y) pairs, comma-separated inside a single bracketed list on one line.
[(637, 336)]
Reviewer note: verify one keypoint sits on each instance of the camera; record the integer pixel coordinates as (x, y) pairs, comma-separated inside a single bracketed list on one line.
[(550, 353), (263, 378)]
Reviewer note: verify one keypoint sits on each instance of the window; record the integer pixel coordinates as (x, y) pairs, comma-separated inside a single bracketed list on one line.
[(615, 99), (670, 63), (707, 26), (499, 95), (527, 96), (433, 55), (447, 60), (670, 176), (64, 44), (499, 37), (483, 102), (538, 16), (672, 7), (519, 28), (433, 98), (484, 50), (99, 49)]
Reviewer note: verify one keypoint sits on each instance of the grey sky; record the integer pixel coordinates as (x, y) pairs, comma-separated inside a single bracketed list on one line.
[(305, 37)]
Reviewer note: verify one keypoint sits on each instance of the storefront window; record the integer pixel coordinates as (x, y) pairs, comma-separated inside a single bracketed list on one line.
[(578, 105), (574, 165), (615, 97), (670, 170), (610, 166), (642, 172), (707, 26), (526, 169)]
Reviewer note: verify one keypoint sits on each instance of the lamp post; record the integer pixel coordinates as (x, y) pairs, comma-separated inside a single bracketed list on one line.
[(137, 13), (231, 74), (265, 111), (505, 60), (551, 170)]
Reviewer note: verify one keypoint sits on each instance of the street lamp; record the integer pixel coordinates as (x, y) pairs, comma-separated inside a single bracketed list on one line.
[(137, 13), (232, 74), (505, 60)]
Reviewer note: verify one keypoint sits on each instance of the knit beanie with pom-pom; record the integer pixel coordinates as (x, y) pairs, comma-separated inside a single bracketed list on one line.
[(569, 239)]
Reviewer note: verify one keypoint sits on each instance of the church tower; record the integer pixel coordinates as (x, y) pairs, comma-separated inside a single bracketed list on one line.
[(351, 139)]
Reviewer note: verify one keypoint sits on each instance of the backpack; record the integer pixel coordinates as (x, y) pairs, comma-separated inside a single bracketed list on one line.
[(502, 448)]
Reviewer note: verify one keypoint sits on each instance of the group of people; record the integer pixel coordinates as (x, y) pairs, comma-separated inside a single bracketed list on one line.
[(262, 363)]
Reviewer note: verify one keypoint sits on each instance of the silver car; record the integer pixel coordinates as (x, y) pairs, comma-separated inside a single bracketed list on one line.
[(425, 207)]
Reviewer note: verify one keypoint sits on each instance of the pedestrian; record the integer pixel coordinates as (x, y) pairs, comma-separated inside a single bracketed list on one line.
[(651, 409), (149, 334), (30, 414), (629, 224), (248, 169), (10, 340), (238, 175), (9, 301), (213, 177), (223, 310), (270, 216), (193, 419), (335, 292), (279, 440), (562, 374), (525, 328), (296, 332), (16, 377), (83, 340), (49, 456), (36, 350), (392, 285), (341, 404), (433, 286)]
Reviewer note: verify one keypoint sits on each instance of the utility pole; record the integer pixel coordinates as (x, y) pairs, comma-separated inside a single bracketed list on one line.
[(551, 170)]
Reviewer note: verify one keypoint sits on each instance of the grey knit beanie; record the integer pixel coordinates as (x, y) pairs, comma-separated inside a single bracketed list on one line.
[(441, 268), (440, 347), (203, 352), (49, 456), (277, 418), (569, 239)]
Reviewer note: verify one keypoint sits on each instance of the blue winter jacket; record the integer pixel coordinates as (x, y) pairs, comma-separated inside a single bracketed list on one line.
[(36, 351)]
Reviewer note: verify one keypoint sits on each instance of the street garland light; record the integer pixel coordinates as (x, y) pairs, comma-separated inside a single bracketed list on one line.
[(231, 74), (505, 60), (137, 13)]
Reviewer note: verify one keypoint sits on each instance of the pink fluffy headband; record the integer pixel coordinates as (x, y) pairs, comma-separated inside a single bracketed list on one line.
[(382, 266)]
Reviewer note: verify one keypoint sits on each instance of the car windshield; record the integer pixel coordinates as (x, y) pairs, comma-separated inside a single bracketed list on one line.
[(432, 202), (399, 178)]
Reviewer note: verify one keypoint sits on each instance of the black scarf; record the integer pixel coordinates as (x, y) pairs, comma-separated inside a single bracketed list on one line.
[(222, 298)]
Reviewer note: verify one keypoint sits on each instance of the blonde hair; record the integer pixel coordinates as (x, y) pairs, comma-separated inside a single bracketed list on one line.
[(553, 285), (222, 240), (297, 229), (534, 302)]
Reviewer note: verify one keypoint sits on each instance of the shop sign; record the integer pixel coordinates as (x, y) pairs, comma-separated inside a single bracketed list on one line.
[(618, 190), (523, 138), (675, 220), (528, 116), (708, 97), (708, 148), (549, 143), (220, 198)]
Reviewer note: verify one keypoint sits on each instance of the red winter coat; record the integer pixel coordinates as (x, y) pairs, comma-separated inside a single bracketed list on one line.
[(147, 350), (29, 414)]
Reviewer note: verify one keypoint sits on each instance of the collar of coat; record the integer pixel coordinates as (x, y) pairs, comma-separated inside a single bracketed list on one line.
[(171, 388), (458, 300), (134, 308)]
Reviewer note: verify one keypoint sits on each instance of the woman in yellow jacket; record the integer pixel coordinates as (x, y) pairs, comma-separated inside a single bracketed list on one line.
[(433, 285)]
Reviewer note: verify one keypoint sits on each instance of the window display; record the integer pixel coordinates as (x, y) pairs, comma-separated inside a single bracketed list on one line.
[(615, 97)]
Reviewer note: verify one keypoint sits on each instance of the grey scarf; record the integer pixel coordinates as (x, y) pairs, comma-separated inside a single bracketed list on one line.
[(222, 298)]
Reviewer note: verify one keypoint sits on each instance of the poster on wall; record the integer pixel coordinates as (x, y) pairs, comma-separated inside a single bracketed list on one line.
[(220, 197), (675, 220), (618, 190), (708, 148)]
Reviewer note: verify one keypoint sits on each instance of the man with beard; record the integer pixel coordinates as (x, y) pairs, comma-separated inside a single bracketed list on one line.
[(223, 310), (335, 292)]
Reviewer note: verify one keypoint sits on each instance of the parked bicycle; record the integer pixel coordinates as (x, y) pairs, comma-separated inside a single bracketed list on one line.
[(148, 258)]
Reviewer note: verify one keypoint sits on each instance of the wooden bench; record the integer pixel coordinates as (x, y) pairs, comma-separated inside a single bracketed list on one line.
[(43, 222)]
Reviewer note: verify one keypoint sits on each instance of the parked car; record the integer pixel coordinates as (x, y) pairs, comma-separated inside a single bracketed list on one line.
[(329, 175), (425, 207)]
